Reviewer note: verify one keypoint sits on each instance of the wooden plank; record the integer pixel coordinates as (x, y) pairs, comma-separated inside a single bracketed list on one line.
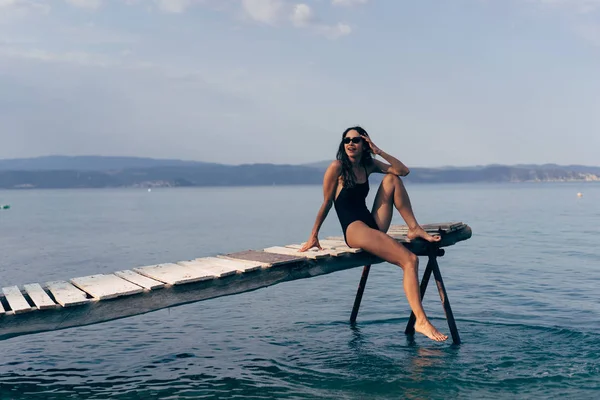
[(249, 264), (239, 265), (104, 287), (294, 252), (270, 258), (140, 280), (208, 266), (446, 226), (66, 294), (400, 238), (16, 300), (39, 297), (2, 309), (339, 245), (173, 274), (327, 251), (429, 228)]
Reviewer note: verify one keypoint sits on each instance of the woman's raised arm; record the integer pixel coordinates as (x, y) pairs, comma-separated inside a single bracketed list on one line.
[(395, 166), (330, 182)]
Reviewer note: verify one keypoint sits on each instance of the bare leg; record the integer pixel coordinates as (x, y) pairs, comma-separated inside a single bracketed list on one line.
[(383, 246), (392, 193)]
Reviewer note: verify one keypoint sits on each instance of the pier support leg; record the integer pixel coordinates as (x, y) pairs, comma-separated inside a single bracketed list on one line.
[(432, 266), (445, 302), (359, 293)]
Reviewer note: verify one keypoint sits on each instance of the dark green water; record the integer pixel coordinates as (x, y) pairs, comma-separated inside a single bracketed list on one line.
[(525, 292)]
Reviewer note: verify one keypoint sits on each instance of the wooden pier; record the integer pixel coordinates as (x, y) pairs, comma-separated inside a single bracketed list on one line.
[(88, 300)]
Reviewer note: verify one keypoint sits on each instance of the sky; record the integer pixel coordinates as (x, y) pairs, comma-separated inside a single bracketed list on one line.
[(435, 83)]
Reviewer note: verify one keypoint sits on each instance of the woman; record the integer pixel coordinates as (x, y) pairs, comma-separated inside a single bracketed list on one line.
[(346, 185)]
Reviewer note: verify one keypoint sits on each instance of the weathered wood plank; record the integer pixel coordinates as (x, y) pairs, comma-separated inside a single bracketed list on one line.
[(103, 287), (16, 300), (173, 274), (39, 297), (140, 280), (208, 266), (445, 226), (66, 294), (261, 256), (294, 252), (326, 252), (249, 264), (429, 228), (338, 245), (239, 265)]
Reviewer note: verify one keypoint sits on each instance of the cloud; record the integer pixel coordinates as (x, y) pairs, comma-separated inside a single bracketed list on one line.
[(302, 15), (173, 6), (348, 2), (22, 7), (264, 11), (90, 4), (335, 31)]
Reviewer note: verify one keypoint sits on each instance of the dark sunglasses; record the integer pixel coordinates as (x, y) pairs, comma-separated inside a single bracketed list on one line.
[(354, 140)]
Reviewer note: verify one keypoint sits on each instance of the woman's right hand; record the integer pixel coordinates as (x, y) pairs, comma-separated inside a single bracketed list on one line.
[(312, 242)]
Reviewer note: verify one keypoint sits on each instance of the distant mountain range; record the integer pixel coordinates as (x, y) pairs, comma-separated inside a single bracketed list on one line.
[(89, 163), (103, 172)]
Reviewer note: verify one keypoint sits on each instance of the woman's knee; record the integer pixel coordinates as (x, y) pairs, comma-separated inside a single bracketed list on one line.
[(409, 261), (390, 179)]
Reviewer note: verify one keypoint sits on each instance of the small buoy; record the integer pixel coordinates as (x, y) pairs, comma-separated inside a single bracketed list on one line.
[(4, 206), (579, 194)]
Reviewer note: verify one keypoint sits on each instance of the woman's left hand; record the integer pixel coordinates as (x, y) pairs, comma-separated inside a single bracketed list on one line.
[(376, 150)]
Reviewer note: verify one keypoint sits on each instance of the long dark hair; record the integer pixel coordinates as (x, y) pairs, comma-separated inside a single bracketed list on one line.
[(365, 160)]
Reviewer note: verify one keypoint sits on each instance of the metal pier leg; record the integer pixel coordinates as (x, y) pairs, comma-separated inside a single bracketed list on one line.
[(410, 327), (359, 293), (445, 302)]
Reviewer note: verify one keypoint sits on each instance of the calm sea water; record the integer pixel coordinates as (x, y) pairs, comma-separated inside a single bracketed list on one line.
[(525, 291)]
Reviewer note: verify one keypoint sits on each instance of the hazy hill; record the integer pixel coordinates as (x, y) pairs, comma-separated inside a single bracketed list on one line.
[(102, 172), (89, 163)]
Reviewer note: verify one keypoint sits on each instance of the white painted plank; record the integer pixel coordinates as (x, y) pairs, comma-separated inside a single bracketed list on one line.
[(250, 265), (209, 266), (294, 252), (16, 301), (39, 297), (173, 274), (327, 251), (103, 287), (66, 294), (140, 280), (338, 245), (240, 265)]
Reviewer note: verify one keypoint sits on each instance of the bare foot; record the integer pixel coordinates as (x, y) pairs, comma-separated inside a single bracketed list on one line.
[(429, 330), (420, 232)]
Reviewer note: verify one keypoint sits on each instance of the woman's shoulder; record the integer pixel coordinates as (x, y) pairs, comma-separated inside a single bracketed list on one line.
[(335, 165)]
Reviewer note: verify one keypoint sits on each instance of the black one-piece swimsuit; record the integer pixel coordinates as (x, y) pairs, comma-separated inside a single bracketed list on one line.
[(350, 206)]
